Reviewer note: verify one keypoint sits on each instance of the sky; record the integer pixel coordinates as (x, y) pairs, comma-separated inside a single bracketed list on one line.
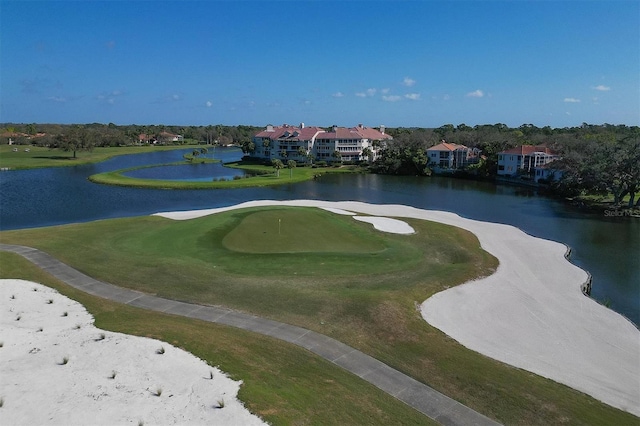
[(394, 63)]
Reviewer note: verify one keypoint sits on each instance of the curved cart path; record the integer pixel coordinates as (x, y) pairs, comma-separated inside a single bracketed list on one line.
[(413, 393)]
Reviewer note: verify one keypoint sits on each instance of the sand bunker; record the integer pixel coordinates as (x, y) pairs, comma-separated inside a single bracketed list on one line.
[(57, 368), (387, 224), (530, 314)]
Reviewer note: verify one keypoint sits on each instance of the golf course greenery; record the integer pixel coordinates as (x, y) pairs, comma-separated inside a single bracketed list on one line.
[(258, 175), (32, 157), (317, 270)]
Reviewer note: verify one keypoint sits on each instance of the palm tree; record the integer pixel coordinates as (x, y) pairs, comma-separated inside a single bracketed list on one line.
[(337, 156), (302, 153), (291, 164), (368, 154), (277, 164)]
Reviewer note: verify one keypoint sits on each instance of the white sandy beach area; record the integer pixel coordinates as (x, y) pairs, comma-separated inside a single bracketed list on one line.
[(530, 313), (57, 368)]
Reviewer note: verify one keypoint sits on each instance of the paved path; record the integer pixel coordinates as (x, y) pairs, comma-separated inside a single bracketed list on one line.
[(415, 394)]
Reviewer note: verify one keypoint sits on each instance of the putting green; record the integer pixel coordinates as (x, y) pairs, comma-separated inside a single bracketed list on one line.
[(301, 231)]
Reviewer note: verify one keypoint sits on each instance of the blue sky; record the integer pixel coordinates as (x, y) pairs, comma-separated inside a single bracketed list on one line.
[(397, 63)]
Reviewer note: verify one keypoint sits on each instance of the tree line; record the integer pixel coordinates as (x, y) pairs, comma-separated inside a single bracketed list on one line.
[(595, 159)]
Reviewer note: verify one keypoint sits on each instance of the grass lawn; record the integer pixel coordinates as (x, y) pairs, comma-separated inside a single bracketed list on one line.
[(260, 175), (38, 157), (295, 271), (282, 383)]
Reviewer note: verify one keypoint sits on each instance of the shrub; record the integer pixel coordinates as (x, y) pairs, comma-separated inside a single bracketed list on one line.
[(100, 337), (160, 351), (220, 403), (113, 374), (49, 302), (65, 313), (158, 392), (64, 361)]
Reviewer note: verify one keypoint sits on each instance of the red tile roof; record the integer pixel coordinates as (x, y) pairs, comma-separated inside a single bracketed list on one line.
[(528, 150), (445, 146), (306, 133)]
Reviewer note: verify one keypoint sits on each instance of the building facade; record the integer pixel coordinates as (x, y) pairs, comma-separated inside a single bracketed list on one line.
[(524, 160), (451, 156), (304, 143)]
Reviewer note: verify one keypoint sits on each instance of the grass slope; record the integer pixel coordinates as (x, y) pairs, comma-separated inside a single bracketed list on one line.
[(367, 300)]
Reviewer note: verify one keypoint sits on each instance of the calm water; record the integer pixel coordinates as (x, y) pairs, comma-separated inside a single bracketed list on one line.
[(609, 248)]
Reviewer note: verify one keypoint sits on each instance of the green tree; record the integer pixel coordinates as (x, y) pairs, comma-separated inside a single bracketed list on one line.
[(291, 164), (302, 153), (368, 154), (277, 164), (75, 138), (337, 157)]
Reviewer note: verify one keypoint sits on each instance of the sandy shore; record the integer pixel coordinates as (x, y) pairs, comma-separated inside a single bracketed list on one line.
[(57, 368), (530, 314)]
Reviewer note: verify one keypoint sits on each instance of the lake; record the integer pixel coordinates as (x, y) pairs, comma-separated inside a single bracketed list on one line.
[(606, 246)]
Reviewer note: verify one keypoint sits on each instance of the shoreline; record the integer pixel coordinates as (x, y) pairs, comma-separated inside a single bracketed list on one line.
[(531, 313)]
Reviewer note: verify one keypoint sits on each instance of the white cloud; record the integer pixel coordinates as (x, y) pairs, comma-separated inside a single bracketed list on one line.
[(110, 97), (408, 82), (413, 96), (338, 95), (384, 91), (57, 99), (602, 88), (209, 104), (572, 100), (391, 98), (476, 94), (446, 97), (366, 93)]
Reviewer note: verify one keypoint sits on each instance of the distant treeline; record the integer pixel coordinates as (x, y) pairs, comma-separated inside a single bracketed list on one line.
[(596, 159)]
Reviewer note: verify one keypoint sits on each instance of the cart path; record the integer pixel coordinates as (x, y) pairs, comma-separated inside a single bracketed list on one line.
[(423, 398)]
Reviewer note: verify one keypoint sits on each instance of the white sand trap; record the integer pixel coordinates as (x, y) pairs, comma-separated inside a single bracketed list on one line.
[(531, 313), (38, 388), (338, 211), (387, 224)]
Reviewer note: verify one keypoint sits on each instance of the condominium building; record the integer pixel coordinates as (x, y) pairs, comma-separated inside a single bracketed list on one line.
[(301, 143)]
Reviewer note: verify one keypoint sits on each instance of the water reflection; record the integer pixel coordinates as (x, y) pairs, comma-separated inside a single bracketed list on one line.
[(197, 172)]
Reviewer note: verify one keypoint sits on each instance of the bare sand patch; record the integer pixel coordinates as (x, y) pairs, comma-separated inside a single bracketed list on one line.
[(56, 367)]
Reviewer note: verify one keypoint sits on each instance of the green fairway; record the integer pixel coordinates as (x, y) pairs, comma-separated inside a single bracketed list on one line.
[(300, 231), (29, 157), (365, 296)]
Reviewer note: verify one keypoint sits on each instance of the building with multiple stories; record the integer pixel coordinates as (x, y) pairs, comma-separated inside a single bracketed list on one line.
[(452, 156), (524, 160), (302, 143)]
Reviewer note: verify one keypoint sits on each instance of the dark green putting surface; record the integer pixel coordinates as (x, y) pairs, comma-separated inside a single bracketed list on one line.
[(301, 230)]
